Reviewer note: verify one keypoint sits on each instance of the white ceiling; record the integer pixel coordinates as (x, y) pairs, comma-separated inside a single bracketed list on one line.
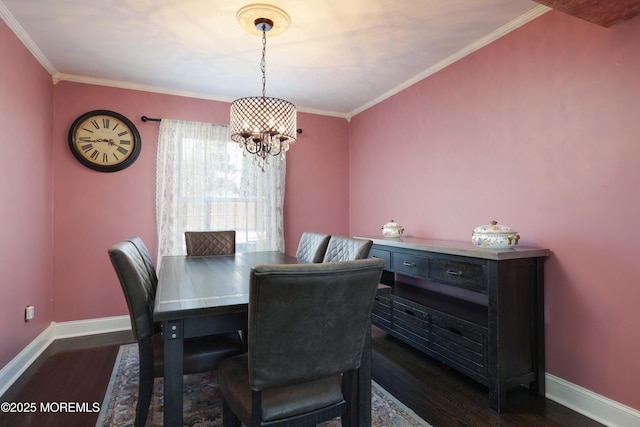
[(338, 57)]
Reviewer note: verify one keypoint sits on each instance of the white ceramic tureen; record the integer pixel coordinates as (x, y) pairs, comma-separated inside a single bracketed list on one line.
[(392, 230), (495, 236)]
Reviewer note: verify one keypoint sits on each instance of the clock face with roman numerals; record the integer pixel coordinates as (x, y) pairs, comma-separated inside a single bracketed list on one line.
[(104, 141)]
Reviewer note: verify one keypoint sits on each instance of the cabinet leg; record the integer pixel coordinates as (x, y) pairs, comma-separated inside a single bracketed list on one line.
[(497, 396)]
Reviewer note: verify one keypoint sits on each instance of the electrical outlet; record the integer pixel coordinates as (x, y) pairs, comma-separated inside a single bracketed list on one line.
[(29, 312)]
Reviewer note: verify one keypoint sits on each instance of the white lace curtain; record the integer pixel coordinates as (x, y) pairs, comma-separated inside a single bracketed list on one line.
[(204, 182)]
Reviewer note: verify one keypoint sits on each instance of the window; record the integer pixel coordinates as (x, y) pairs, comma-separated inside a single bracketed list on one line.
[(204, 181)]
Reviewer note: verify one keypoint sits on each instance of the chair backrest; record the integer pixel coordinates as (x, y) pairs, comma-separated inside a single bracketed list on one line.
[(146, 257), (308, 321), (207, 243), (138, 288), (312, 247), (347, 249)]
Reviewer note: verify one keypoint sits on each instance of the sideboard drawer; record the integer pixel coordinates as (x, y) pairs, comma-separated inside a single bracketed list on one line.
[(411, 265), (382, 254), (459, 342), (456, 330), (382, 307), (381, 310), (411, 323), (463, 274)]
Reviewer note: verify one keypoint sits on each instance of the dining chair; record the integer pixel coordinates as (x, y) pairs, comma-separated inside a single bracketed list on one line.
[(146, 257), (307, 329), (312, 247), (207, 243), (347, 249), (199, 354)]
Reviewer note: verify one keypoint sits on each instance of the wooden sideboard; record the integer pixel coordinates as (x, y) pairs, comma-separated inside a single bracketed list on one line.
[(477, 310)]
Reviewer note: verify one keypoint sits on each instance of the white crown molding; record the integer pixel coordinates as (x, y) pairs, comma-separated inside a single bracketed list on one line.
[(58, 77), (478, 44), (17, 29), (136, 86)]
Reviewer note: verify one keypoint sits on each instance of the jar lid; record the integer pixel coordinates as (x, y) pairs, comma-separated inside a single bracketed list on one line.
[(494, 228), (391, 224)]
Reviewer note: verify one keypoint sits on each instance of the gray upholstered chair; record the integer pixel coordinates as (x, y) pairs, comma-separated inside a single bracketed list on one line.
[(307, 326), (346, 249), (146, 257), (312, 247), (139, 287), (207, 243)]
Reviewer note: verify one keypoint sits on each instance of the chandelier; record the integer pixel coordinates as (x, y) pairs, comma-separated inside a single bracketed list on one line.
[(261, 125)]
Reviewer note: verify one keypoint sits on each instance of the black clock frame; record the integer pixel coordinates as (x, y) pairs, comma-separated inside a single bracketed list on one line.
[(137, 142)]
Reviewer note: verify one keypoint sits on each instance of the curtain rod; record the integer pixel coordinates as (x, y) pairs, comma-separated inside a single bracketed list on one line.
[(151, 119)]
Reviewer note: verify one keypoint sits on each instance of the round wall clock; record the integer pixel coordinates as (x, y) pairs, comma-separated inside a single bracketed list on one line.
[(104, 141)]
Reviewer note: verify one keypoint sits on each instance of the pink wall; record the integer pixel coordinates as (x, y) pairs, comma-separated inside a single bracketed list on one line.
[(94, 210), (539, 131), (317, 190), (26, 191)]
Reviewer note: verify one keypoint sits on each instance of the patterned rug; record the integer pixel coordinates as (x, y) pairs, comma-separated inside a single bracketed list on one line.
[(202, 400)]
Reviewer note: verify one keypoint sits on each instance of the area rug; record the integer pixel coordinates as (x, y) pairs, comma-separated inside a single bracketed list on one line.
[(202, 400)]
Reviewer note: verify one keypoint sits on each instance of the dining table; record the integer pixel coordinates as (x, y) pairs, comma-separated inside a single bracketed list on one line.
[(205, 295)]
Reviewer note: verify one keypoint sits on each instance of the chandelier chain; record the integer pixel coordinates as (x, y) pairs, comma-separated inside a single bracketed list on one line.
[(263, 62)]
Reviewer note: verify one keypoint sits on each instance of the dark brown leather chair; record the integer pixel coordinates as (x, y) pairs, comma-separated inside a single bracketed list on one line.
[(307, 326), (208, 243), (347, 249), (139, 287), (312, 247)]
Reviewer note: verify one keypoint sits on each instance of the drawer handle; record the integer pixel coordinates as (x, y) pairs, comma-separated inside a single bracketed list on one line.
[(409, 264), (454, 272), (410, 312), (456, 331)]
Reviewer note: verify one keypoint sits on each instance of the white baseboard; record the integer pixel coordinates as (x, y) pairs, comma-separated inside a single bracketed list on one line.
[(12, 370), (102, 325), (590, 404), (579, 399)]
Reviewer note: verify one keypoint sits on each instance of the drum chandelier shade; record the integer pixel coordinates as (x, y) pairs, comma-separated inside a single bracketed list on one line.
[(261, 125)]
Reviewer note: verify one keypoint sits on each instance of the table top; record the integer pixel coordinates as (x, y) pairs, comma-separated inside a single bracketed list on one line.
[(191, 286), (460, 248)]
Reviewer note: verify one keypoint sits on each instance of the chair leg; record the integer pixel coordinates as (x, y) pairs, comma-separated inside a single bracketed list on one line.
[(350, 393), (229, 419), (256, 408), (145, 381), (245, 339)]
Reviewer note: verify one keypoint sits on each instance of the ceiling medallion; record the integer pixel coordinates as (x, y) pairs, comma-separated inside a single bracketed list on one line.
[(247, 16)]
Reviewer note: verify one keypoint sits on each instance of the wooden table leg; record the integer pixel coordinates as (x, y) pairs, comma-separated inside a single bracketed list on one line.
[(173, 383)]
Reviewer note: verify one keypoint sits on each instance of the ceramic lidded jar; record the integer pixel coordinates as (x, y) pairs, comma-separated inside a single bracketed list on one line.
[(392, 230), (495, 236)]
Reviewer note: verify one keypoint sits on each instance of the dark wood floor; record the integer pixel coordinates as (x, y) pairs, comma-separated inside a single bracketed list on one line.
[(78, 370), (444, 398), (70, 370)]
